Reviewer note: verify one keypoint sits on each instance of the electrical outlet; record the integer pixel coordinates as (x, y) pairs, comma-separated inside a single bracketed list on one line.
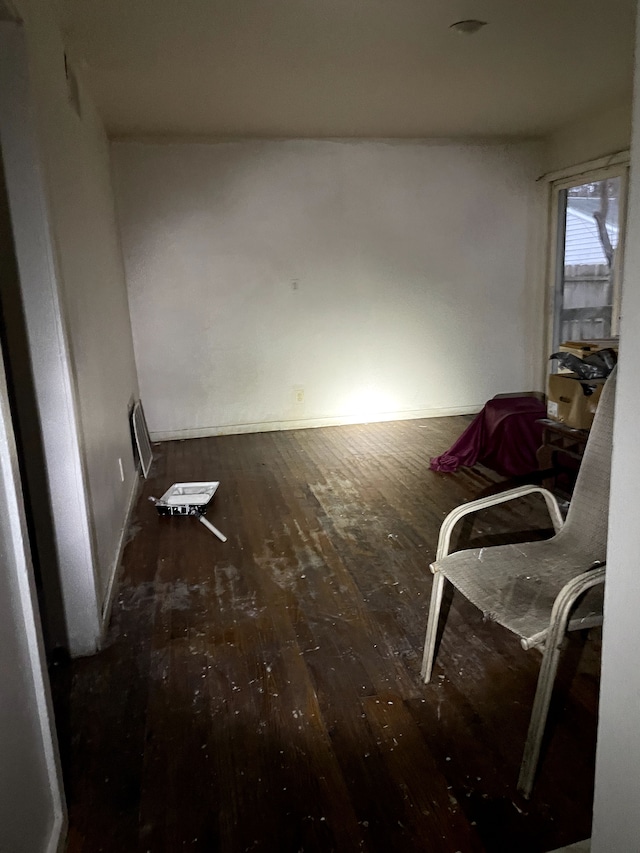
[(299, 395), (120, 465)]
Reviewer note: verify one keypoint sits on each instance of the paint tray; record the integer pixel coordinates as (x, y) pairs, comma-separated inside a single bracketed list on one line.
[(187, 498)]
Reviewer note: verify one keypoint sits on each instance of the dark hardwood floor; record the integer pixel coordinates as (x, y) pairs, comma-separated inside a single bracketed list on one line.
[(264, 693)]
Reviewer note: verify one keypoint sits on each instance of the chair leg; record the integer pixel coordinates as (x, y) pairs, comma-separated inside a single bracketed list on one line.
[(539, 714), (432, 626), (559, 621)]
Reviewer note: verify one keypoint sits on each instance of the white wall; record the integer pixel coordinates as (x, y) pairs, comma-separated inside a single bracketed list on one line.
[(77, 312), (595, 135), (410, 259), (77, 168), (97, 317), (616, 821)]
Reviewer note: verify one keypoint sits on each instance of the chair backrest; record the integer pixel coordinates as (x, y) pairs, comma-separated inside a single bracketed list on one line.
[(588, 516)]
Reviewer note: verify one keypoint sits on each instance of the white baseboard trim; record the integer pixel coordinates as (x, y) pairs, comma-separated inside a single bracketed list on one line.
[(115, 568), (311, 423)]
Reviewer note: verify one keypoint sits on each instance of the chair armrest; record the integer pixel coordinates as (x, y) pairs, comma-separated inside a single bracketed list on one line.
[(444, 540), (561, 611)]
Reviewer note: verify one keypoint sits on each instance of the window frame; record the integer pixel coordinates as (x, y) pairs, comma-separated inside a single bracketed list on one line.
[(614, 166)]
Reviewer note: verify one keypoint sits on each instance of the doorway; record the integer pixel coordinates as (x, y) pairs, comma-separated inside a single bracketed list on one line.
[(25, 421)]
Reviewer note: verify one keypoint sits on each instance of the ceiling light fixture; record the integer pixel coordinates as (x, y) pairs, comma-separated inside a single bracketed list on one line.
[(469, 27)]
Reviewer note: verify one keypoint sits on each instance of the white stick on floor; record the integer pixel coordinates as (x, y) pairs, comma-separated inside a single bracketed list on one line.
[(213, 529)]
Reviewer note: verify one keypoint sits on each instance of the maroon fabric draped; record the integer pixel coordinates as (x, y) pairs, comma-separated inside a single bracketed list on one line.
[(504, 436)]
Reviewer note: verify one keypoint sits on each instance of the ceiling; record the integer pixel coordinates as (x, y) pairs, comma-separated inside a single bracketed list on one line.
[(349, 68)]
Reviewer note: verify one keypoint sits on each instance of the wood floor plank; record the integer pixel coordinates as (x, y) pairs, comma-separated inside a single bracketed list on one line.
[(264, 693)]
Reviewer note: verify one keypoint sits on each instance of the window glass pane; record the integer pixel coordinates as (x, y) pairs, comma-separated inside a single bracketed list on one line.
[(585, 294)]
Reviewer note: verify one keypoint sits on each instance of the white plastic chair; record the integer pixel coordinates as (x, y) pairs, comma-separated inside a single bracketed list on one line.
[(538, 590)]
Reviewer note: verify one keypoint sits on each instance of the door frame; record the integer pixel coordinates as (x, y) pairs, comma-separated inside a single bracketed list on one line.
[(21, 140)]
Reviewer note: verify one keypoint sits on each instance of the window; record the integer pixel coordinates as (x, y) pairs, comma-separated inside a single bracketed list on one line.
[(590, 212)]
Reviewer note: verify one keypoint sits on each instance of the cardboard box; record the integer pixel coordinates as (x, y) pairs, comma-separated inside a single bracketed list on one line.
[(573, 401), (581, 349)]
